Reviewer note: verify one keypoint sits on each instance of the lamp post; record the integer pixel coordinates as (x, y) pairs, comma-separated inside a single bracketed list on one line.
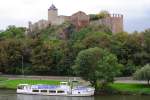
[(22, 66)]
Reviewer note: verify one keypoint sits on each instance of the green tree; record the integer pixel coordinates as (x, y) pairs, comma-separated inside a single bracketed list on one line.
[(129, 50), (97, 40), (13, 32), (10, 56), (102, 14), (96, 65), (45, 57), (143, 74)]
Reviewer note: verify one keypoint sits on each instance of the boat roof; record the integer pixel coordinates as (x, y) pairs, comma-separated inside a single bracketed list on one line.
[(52, 87)]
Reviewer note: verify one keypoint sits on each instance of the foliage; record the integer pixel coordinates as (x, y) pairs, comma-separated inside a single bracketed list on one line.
[(101, 15), (130, 51), (12, 32), (53, 51), (96, 65), (143, 73)]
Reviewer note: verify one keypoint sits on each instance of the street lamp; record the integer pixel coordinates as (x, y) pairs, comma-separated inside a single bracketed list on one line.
[(22, 66)]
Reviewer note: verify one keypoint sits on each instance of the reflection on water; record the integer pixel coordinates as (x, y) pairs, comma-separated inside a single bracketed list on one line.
[(38, 97), (11, 95)]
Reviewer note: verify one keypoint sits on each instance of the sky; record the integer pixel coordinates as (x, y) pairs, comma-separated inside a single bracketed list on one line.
[(19, 12)]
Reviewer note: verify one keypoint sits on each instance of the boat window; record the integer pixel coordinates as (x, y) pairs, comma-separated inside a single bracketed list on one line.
[(60, 91), (44, 91), (20, 87), (35, 90), (52, 91)]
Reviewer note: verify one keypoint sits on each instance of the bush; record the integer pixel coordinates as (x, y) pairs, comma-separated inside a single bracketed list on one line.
[(143, 74)]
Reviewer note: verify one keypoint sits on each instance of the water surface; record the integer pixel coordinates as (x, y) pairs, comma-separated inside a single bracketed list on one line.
[(11, 95)]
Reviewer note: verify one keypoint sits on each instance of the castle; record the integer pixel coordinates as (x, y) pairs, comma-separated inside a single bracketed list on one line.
[(80, 19)]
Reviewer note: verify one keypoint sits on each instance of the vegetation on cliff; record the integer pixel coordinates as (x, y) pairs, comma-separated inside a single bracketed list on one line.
[(53, 51)]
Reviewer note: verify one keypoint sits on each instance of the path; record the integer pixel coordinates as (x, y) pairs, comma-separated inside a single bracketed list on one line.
[(65, 78)]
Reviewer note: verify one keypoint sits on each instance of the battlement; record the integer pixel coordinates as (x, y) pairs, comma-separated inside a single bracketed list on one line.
[(116, 15)]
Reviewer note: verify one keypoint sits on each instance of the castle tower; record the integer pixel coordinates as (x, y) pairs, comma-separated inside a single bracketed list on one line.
[(52, 14), (30, 26), (117, 23)]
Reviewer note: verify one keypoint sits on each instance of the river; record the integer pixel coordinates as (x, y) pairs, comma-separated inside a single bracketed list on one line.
[(11, 95)]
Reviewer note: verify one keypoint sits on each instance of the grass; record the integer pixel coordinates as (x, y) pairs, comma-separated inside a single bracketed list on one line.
[(131, 88), (3, 79), (12, 84)]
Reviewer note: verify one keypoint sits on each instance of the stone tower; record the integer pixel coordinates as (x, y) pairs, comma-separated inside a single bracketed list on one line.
[(52, 14), (117, 23)]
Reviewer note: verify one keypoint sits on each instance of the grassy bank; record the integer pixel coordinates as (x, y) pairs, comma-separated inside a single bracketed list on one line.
[(130, 88), (3, 79), (12, 84)]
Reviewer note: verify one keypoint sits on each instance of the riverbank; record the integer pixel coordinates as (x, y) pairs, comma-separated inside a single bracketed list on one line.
[(130, 88), (115, 88), (12, 84)]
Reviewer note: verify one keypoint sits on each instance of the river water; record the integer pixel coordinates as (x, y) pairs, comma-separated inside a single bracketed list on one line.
[(11, 95)]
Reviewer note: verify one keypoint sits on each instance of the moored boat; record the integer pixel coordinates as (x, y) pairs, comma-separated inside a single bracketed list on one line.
[(64, 89)]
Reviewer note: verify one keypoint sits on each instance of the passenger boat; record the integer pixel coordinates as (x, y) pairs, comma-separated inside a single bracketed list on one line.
[(64, 89)]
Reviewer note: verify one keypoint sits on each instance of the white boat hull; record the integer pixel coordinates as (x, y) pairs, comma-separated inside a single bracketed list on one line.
[(46, 94), (57, 91)]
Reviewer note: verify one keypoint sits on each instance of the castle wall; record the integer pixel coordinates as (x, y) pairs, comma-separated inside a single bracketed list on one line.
[(80, 19), (114, 22), (60, 20), (42, 24)]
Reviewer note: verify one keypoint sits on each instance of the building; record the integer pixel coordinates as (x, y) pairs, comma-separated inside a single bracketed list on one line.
[(79, 19), (54, 18)]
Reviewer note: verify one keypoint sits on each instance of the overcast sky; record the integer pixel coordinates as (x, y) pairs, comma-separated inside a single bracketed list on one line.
[(19, 12)]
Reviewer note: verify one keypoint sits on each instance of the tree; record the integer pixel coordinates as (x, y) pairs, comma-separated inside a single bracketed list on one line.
[(45, 57), (143, 74), (96, 65), (129, 49), (97, 40), (13, 32), (10, 56), (101, 15)]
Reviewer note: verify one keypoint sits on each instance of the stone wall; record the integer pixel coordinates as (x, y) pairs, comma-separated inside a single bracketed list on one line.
[(80, 19), (41, 24), (114, 22), (60, 20)]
